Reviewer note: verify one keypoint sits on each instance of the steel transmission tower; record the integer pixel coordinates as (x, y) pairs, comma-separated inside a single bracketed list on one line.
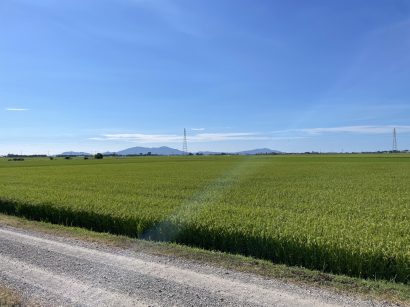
[(185, 144), (394, 140)]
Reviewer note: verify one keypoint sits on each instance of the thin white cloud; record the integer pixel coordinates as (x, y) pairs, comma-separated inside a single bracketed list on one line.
[(290, 134), (140, 137), (357, 130), (311, 132), (217, 137), (174, 138), (175, 16), (197, 129), (16, 109)]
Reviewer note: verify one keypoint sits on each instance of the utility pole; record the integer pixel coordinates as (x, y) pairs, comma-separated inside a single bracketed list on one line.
[(185, 144), (394, 140)]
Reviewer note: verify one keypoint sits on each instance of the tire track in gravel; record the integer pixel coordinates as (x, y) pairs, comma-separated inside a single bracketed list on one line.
[(69, 289), (59, 272)]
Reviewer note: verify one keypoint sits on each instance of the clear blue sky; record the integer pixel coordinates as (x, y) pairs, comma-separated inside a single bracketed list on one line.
[(290, 75)]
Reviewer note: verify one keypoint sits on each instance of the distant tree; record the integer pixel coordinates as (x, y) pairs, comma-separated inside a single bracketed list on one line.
[(98, 156), (149, 153)]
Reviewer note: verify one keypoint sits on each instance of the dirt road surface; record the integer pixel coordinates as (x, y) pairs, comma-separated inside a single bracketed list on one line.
[(55, 271)]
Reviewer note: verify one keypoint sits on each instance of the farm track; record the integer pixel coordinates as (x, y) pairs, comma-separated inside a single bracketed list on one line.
[(54, 271)]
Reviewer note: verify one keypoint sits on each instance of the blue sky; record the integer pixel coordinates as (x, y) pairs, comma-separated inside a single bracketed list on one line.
[(292, 75)]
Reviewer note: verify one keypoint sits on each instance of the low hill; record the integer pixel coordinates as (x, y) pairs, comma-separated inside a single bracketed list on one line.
[(74, 153), (163, 151), (258, 151), (168, 151)]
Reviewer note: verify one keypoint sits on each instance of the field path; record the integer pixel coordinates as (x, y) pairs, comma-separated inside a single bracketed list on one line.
[(60, 271)]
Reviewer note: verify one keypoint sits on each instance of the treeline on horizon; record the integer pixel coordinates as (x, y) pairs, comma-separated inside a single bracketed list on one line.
[(11, 155)]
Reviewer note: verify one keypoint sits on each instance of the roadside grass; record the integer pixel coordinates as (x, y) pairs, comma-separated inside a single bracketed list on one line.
[(9, 297), (379, 290)]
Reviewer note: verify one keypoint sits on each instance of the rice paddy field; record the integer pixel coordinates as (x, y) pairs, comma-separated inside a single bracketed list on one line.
[(346, 214)]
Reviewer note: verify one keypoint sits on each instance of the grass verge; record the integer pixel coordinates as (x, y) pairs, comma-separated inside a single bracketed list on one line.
[(385, 291), (9, 297), (287, 251)]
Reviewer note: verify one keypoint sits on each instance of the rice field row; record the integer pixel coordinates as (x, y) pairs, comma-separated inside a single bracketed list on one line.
[(345, 214)]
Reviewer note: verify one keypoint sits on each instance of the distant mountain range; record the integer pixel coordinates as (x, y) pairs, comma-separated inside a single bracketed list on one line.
[(168, 151), (162, 151), (258, 151), (245, 152), (74, 153)]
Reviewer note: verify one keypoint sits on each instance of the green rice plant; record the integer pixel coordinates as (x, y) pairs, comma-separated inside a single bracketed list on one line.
[(345, 214)]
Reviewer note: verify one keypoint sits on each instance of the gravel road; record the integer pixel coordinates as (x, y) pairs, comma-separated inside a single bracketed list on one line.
[(57, 271)]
